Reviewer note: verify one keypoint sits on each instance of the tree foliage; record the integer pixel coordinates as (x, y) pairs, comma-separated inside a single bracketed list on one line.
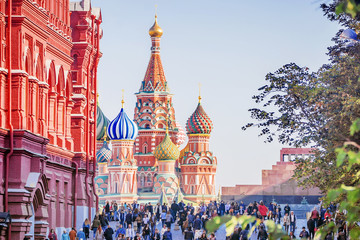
[(318, 109), (303, 108)]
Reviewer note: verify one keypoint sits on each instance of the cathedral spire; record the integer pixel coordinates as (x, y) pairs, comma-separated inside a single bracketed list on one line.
[(199, 93), (122, 100), (154, 80)]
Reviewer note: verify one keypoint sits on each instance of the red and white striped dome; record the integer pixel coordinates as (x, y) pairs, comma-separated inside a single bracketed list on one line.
[(180, 135)]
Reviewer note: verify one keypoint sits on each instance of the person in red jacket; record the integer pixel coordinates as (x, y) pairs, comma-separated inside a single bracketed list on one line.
[(52, 235), (262, 209), (315, 216), (327, 215)]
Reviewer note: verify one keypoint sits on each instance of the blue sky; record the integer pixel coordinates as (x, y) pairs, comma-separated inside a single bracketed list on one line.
[(228, 46)]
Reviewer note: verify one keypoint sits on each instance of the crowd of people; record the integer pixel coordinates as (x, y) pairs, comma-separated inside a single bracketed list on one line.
[(142, 221)]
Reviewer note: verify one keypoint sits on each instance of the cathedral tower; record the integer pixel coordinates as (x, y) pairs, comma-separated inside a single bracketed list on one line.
[(122, 167), (198, 164), (154, 104), (166, 153)]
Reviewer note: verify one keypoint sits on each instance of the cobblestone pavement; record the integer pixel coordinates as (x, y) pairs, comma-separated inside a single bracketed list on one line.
[(220, 234)]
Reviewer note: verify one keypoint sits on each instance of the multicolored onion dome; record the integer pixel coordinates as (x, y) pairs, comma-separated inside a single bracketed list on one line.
[(104, 153), (101, 123), (199, 122), (166, 150), (122, 127), (180, 135)]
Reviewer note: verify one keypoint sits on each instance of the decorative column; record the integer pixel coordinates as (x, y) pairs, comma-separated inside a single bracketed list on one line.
[(43, 107), (52, 116), (60, 129), (19, 80), (33, 104)]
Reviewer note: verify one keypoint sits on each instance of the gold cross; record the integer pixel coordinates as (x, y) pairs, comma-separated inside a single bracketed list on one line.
[(199, 92), (122, 101)]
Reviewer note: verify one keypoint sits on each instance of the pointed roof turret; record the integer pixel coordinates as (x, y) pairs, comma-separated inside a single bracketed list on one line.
[(154, 80), (199, 122)]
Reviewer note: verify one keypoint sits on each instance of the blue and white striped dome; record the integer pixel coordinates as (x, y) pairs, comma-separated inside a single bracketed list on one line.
[(104, 153), (122, 128)]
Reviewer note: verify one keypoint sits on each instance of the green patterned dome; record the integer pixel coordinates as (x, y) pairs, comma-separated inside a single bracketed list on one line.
[(101, 123), (167, 150)]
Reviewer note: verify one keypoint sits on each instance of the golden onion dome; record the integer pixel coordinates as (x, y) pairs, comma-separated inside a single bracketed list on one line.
[(155, 30), (166, 150)]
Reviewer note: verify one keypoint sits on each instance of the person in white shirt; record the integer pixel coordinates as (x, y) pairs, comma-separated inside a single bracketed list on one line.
[(227, 208), (146, 219), (163, 230), (130, 232), (292, 222)]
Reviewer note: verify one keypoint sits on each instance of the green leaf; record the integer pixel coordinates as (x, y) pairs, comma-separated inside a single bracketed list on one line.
[(339, 8), (340, 156), (270, 226), (213, 224), (230, 225), (333, 194), (355, 233), (348, 188), (353, 196), (355, 127)]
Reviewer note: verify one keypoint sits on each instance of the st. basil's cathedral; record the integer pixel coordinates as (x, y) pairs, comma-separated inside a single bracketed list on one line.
[(145, 161)]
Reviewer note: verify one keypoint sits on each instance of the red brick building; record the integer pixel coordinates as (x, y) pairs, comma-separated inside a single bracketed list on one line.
[(48, 66), (277, 183)]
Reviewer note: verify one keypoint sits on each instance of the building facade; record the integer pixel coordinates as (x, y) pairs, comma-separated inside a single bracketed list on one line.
[(48, 62), (161, 166)]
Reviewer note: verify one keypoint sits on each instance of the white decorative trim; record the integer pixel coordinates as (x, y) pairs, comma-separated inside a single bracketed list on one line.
[(33, 78), (17, 190), (79, 96), (41, 222), (17, 71), (20, 220), (43, 83)]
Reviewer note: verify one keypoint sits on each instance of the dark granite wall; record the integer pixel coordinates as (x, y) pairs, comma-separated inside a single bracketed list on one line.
[(281, 199)]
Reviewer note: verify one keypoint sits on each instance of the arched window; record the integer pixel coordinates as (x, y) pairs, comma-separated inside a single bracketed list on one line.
[(149, 178), (147, 126), (142, 180), (145, 148)]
